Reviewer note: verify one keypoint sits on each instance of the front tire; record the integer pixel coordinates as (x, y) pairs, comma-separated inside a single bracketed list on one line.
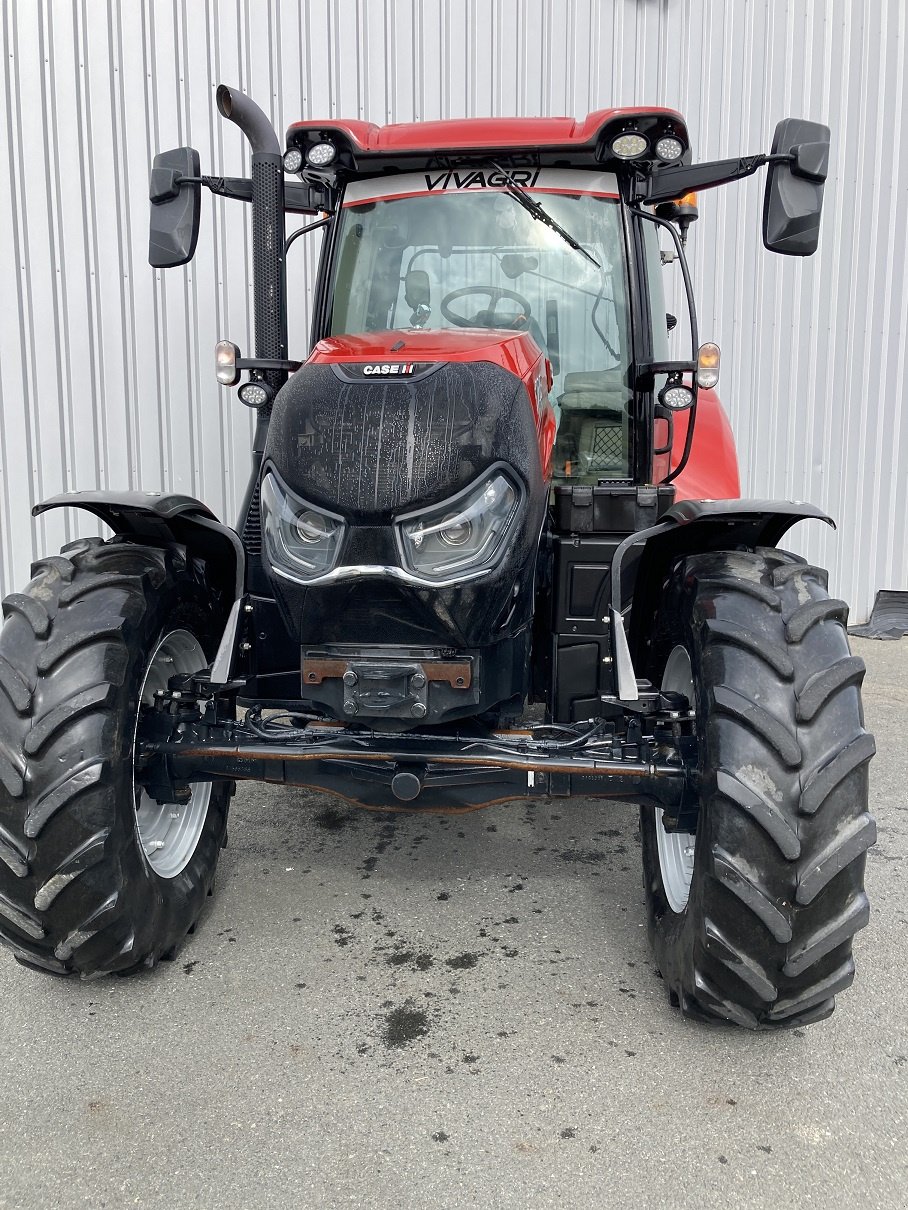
[(87, 885), (763, 937)]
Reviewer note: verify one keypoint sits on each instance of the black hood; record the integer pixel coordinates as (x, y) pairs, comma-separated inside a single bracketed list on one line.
[(372, 447), (372, 444)]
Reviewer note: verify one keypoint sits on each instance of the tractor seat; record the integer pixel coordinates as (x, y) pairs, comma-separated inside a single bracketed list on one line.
[(595, 390)]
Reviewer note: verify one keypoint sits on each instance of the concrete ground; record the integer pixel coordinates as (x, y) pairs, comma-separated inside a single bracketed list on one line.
[(417, 1011)]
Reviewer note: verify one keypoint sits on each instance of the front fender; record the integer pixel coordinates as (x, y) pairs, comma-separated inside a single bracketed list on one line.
[(158, 517), (687, 528)]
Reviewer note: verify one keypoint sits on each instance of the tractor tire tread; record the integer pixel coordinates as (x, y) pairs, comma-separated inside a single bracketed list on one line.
[(776, 732), (821, 685), (82, 588), (825, 778), (12, 770), (88, 854), (13, 853), (34, 612), (76, 894), (788, 571), (95, 697), (719, 631), (760, 808), (66, 644), (812, 613), (818, 993), (15, 686), (738, 962), (60, 793), (53, 565), (743, 883), (843, 847), (828, 935), (777, 897)]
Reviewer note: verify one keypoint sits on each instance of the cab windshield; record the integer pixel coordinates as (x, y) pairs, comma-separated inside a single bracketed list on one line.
[(437, 251)]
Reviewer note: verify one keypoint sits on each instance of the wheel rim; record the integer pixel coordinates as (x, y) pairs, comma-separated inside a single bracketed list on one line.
[(676, 849), (169, 832)]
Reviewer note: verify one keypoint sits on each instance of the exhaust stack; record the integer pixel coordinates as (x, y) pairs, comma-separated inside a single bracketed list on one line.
[(270, 290)]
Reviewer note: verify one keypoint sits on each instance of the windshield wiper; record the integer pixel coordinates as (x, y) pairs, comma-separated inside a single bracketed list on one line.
[(531, 206)]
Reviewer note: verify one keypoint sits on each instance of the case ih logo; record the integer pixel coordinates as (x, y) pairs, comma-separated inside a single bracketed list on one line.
[(388, 368), (472, 179)]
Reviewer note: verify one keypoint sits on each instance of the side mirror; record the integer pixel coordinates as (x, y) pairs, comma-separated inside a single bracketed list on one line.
[(175, 208), (794, 189)]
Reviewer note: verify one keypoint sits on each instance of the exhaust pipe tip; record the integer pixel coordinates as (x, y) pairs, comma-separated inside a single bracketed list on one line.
[(224, 99), (236, 107)]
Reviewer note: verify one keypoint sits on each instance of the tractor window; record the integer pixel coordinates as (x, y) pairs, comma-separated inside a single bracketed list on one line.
[(475, 258), (670, 315)]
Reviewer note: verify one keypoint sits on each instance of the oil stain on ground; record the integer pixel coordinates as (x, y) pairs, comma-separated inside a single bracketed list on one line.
[(421, 962), (462, 962), (330, 819), (404, 1025)]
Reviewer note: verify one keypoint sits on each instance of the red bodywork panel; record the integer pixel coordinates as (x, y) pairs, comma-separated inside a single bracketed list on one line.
[(473, 134), (712, 469), (515, 352)]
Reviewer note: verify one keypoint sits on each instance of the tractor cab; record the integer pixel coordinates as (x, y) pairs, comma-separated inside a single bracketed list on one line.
[(509, 224), (447, 251)]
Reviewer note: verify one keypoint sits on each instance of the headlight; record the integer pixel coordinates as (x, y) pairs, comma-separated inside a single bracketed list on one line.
[(463, 536), (302, 539)]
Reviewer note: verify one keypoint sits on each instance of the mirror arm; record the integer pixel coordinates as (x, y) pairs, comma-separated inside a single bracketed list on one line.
[(266, 363), (667, 184), (239, 188), (227, 186)]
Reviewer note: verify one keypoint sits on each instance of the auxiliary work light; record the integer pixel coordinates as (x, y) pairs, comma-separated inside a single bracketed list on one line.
[(629, 146), (293, 160), (320, 155)]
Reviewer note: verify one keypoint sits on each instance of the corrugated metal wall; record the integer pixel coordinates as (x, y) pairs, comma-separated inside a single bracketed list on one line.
[(106, 367)]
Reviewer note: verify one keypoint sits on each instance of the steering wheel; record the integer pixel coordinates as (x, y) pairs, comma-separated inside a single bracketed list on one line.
[(488, 317)]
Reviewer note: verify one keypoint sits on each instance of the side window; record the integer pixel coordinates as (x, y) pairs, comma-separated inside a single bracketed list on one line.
[(655, 282), (672, 329), (668, 300)]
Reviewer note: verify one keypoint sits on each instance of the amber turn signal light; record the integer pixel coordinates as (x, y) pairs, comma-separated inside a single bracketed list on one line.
[(708, 366)]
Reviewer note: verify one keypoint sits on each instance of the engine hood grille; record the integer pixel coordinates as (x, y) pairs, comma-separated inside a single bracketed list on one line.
[(371, 448)]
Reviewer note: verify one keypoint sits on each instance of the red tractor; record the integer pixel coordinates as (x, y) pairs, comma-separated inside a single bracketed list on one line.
[(491, 549)]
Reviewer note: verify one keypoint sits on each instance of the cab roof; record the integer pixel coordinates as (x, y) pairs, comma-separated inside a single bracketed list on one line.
[(364, 148)]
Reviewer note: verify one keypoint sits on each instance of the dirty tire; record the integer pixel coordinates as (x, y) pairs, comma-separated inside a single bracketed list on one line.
[(77, 894), (777, 891)]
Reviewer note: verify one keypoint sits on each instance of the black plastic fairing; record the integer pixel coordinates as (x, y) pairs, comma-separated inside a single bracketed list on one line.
[(374, 450), (164, 517)]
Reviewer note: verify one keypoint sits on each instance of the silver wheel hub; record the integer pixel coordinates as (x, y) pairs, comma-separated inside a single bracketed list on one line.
[(169, 832), (676, 849)]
